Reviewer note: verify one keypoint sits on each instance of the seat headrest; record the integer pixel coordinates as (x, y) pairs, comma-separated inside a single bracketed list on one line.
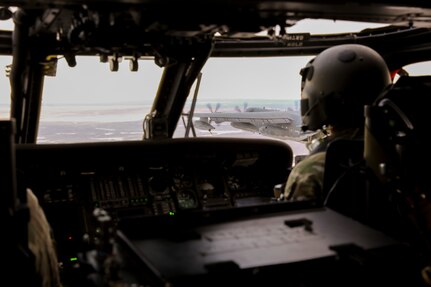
[(396, 129)]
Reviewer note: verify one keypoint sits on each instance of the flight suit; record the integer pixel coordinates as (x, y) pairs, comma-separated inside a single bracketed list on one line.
[(305, 181)]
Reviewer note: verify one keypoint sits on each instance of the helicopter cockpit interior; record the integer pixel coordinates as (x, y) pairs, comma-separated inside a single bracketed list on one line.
[(169, 210)]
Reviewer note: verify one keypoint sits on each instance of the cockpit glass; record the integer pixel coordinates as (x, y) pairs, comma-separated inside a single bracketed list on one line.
[(234, 97), (247, 97), (91, 103), (325, 26), (4, 87), (419, 69)]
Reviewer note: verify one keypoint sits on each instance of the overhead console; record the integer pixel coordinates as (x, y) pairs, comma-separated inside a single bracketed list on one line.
[(146, 179)]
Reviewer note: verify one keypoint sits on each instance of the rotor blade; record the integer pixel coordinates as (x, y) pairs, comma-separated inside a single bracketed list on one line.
[(210, 107)]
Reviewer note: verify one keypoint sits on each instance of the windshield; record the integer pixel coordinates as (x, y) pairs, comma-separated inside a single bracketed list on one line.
[(90, 103)]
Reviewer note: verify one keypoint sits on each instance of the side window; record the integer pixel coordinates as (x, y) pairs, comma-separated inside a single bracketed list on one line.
[(418, 69), (5, 61)]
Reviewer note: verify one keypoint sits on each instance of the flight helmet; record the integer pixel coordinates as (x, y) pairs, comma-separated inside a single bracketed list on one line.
[(338, 82)]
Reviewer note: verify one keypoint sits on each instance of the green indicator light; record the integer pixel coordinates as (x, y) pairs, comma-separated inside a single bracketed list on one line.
[(73, 259), (171, 213)]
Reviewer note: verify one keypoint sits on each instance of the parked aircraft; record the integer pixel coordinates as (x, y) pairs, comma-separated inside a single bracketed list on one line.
[(282, 123), (269, 122), (165, 211)]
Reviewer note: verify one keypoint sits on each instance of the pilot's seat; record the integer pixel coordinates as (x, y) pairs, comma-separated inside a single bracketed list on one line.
[(381, 180), (397, 151), (344, 165), (384, 182)]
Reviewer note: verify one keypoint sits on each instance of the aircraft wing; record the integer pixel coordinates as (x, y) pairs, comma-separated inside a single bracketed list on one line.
[(253, 117), (278, 124)]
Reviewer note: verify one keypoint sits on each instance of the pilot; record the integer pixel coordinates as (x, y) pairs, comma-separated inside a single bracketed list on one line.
[(336, 85)]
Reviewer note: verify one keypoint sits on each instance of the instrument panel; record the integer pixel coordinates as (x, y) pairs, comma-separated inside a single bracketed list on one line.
[(147, 179)]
